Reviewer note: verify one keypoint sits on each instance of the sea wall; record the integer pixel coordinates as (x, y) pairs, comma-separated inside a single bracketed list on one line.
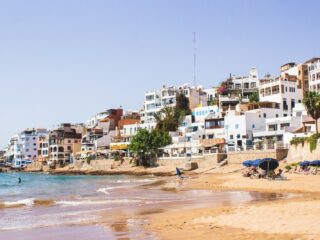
[(240, 157), (301, 153), (202, 161)]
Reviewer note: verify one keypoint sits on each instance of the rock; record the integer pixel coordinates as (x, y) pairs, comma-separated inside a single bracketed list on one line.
[(189, 166)]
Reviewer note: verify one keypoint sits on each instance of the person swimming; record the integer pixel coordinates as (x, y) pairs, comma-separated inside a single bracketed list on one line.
[(19, 180)]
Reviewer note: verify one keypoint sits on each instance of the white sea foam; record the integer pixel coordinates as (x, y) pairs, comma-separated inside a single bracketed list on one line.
[(53, 219), (26, 202), (96, 202), (105, 190), (135, 181)]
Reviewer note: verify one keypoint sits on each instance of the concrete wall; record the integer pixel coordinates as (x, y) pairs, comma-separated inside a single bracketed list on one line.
[(101, 164), (301, 153), (203, 161), (240, 157)]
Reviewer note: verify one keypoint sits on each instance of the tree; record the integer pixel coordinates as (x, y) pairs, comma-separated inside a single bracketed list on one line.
[(168, 119), (145, 144), (213, 102), (183, 104), (254, 97), (312, 103)]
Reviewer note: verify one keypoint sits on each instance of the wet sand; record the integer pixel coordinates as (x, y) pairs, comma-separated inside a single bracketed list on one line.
[(271, 210), (297, 217)]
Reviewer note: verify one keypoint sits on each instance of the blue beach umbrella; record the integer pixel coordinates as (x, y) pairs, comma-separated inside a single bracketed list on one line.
[(247, 163), (305, 163), (269, 164), (256, 163), (315, 163)]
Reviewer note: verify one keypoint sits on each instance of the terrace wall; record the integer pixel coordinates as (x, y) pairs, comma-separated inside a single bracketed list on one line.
[(301, 153)]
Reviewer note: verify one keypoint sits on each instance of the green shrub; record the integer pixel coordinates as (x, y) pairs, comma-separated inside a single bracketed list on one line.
[(288, 167), (298, 140), (312, 140)]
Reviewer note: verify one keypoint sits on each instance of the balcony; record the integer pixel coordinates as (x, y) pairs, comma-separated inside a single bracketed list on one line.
[(213, 127)]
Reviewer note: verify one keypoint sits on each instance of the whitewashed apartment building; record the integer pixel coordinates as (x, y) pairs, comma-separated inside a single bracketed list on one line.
[(314, 74), (283, 91), (155, 101)]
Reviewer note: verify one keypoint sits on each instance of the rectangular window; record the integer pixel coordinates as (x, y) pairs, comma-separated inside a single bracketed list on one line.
[(237, 126)]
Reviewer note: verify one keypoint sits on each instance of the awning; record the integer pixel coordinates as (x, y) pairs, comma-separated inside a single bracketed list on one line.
[(213, 142), (83, 152), (119, 147)]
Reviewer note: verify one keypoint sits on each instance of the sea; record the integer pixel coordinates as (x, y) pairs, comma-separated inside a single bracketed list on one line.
[(44, 206)]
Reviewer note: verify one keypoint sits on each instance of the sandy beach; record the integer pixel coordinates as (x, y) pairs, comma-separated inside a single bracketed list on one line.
[(280, 209), (296, 217)]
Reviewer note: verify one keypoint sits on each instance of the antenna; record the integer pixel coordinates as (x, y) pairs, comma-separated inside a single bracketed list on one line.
[(194, 59)]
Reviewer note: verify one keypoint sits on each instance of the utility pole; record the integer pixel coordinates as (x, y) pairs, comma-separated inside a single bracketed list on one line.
[(195, 68), (194, 59)]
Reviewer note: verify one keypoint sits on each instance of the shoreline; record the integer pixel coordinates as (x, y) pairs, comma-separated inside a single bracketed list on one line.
[(296, 217), (286, 218)]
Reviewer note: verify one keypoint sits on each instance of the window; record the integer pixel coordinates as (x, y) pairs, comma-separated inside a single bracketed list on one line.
[(238, 136), (285, 106), (75, 141), (292, 104), (277, 115), (231, 136), (237, 126), (69, 147), (264, 115), (253, 126), (69, 141)]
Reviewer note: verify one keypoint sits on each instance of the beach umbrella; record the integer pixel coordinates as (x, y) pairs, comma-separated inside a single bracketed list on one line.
[(256, 163), (269, 164), (247, 163), (305, 163), (315, 163)]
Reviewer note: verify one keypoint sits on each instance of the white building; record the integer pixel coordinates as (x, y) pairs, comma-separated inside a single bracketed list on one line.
[(246, 84), (211, 94), (239, 128), (25, 145), (283, 129), (155, 101), (239, 90), (200, 113), (283, 91), (314, 74)]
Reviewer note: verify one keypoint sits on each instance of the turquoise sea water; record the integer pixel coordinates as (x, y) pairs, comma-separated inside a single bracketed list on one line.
[(45, 206)]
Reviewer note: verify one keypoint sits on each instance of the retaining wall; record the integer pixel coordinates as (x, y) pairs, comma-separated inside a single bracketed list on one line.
[(301, 153), (240, 157)]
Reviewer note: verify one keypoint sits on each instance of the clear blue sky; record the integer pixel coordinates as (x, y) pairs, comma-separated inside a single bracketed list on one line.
[(65, 60)]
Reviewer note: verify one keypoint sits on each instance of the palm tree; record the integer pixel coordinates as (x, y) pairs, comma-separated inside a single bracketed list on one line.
[(167, 119), (312, 103)]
